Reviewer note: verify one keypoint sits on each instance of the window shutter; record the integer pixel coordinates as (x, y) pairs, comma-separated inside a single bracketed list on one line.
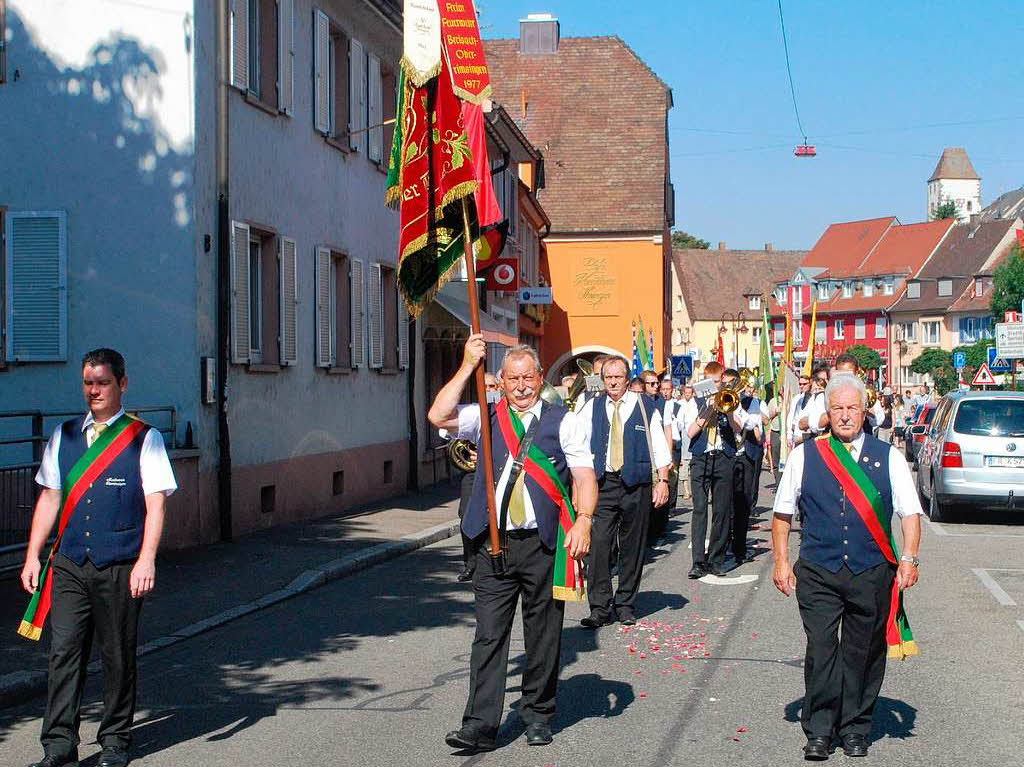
[(286, 55), (239, 292), (289, 298), (374, 111), (37, 298), (356, 95), (357, 326), (403, 333), (240, 44), (321, 79), (323, 308), (376, 318)]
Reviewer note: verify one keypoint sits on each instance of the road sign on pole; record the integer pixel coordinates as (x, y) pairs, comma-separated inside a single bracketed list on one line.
[(1010, 339), (997, 364), (983, 377), (959, 360)]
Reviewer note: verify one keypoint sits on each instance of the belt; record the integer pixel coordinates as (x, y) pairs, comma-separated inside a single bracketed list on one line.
[(520, 534)]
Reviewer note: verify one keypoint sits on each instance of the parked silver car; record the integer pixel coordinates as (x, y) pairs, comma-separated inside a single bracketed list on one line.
[(973, 454)]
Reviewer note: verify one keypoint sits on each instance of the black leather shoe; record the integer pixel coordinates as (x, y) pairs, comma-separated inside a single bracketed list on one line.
[(113, 756), (595, 621), (627, 619), (52, 760), (538, 734), (465, 575), (697, 571), (818, 749), (717, 571), (855, 745), (469, 739)]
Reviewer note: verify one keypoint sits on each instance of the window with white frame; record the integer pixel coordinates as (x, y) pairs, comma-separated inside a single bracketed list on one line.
[(263, 51), (889, 286), (869, 289), (778, 333), (859, 328), (820, 332), (979, 287), (880, 327), (798, 333), (839, 330), (754, 303), (798, 301), (780, 294), (945, 287), (908, 330), (757, 335), (822, 291), (35, 283), (913, 289), (930, 332), (848, 289), (255, 297)]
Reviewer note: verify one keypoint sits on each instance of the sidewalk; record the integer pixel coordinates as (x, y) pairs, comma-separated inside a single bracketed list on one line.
[(201, 588)]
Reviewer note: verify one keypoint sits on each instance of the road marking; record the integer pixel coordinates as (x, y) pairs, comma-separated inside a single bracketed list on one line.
[(938, 529), (1021, 624), (994, 588), (735, 580)]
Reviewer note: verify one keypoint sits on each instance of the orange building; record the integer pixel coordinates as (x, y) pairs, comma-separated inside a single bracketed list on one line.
[(599, 115)]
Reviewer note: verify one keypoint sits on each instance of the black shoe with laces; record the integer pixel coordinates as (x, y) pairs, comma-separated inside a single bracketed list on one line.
[(470, 739), (113, 756), (855, 745), (53, 760), (697, 571), (538, 734)]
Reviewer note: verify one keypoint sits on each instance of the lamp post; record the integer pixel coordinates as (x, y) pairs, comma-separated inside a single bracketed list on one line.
[(901, 349), (736, 320)]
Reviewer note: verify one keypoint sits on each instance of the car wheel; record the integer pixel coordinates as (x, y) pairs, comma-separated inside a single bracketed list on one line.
[(937, 512)]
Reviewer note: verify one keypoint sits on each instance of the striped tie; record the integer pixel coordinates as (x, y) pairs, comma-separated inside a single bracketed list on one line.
[(97, 430)]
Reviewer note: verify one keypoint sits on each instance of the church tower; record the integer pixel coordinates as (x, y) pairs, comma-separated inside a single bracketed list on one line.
[(955, 179)]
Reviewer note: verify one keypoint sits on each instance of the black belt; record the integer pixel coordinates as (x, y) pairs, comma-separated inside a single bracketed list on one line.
[(520, 534)]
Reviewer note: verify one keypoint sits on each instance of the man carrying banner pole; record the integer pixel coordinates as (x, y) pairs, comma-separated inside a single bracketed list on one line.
[(850, 576)]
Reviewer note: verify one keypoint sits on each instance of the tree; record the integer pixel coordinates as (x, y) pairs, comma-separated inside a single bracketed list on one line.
[(681, 239), (1008, 284), (938, 363), (945, 209), (867, 358), (977, 353)]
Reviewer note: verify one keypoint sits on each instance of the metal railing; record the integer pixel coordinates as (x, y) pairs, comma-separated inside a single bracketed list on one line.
[(18, 490)]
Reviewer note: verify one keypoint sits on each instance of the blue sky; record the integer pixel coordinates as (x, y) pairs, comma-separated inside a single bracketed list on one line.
[(872, 80)]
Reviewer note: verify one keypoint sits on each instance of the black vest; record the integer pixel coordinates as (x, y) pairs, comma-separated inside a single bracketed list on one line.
[(636, 456), (699, 444)]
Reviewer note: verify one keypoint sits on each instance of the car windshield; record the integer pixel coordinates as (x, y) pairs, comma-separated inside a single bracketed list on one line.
[(991, 417)]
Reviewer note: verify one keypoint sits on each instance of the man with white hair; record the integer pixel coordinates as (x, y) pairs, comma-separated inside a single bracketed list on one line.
[(540, 455), (850, 575)]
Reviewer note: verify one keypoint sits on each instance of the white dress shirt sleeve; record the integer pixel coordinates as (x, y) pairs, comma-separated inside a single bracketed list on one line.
[(662, 452), (788, 492), (905, 501), (155, 466), (574, 437), (469, 423), (815, 410), (48, 474)]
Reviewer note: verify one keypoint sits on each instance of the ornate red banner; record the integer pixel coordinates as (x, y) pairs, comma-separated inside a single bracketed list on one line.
[(464, 50)]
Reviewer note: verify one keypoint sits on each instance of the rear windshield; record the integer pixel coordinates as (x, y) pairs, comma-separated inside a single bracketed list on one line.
[(990, 417)]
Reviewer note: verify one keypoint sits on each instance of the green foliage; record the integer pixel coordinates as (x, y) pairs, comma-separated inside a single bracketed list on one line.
[(1008, 284), (867, 358), (938, 363), (977, 353), (946, 209), (681, 239)]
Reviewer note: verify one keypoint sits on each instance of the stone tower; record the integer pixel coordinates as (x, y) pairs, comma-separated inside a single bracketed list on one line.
[(955, 179)]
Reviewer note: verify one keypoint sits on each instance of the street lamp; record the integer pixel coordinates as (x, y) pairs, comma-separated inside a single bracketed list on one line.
[(736, 320), (901, 349)]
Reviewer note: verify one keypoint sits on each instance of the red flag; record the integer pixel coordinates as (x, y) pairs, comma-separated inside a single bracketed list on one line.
[(721, 352), (464, 50), (487, 209), (1020, 237), (504, 275)]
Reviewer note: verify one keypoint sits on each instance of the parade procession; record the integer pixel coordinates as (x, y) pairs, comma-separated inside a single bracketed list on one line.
[(368, 399)]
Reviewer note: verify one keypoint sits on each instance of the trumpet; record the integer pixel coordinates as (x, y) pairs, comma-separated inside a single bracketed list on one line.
[(726, 399), (579, 386)]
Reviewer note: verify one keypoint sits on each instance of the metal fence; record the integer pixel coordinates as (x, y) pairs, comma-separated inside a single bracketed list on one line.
[(23, 437)]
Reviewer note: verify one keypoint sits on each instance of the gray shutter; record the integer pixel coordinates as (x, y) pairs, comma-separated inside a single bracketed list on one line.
[(286, 55), (240, 352), (37, 305), (289, 299), (403, 333), (240, 44), (323, 308), (356, 95), (375, 113), (376, 318), (357, 324), (321, 77)]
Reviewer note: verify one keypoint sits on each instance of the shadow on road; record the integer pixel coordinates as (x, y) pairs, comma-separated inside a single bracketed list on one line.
[(893, 718)]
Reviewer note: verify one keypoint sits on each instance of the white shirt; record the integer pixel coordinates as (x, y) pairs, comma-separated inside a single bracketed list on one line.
[(814, 411), (662, 452), (670, 417), (688, 410), (878, 411), (905, 501), (154, 466), (793, 420), (573, 438)]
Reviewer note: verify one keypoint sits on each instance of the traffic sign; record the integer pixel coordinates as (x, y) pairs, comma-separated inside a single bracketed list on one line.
[(997, 364), (959, 360), (983, 377), (682, 366), (1010, 339)]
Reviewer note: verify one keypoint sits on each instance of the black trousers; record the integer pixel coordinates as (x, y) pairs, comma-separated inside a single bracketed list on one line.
[(744, 479), (755, 487), (776, 445), (712, 476), (626, 509), (844, 616), (86, 598), (465, 494), (530, 573)]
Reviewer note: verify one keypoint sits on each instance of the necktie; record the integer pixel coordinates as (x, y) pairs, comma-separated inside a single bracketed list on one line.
[(615, 460), (97, 430), (517, 500)]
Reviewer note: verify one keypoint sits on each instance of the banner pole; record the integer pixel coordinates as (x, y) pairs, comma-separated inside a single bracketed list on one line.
[(484, 448)]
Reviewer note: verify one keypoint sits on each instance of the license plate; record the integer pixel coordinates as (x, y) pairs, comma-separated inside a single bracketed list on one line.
[(1016, 461)]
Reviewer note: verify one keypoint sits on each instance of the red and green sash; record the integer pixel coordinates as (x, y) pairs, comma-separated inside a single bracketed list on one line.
[(108, 446), (868, 502), (568, 583)]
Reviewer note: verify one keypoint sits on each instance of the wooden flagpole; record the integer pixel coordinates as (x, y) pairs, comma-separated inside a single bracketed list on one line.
[(484, 448)]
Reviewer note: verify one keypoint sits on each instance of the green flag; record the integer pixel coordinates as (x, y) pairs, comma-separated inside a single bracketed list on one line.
[(766, 364)]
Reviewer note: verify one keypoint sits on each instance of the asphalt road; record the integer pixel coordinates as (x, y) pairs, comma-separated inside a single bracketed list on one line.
[(372, 670)]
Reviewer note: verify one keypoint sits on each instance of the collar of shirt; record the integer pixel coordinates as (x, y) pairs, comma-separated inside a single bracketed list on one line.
[(628, 400), (858, 445), (534, 410), (89, 420)]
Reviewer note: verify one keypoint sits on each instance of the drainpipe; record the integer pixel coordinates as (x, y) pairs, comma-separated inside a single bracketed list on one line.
[(413, 478), (223, 273)]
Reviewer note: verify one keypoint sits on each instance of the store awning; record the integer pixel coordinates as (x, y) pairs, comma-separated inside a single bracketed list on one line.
[(458, 309)]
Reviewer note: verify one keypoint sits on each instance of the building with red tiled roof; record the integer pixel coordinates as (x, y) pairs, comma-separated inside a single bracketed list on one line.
[(599, 116)]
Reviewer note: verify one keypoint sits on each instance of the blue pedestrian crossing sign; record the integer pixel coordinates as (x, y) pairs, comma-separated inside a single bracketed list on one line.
[(959, 360), (682, 366), (997, 364)]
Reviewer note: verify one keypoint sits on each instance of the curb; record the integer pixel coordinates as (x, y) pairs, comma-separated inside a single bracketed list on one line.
[(20, 686)]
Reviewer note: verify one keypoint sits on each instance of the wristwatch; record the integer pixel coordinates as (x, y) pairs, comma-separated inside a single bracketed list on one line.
[(913, 560)]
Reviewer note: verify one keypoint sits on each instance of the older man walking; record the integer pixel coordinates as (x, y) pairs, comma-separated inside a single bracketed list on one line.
[(850, 575)]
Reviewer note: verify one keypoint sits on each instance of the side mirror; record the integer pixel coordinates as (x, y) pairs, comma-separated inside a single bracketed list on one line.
[(919, 429)]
